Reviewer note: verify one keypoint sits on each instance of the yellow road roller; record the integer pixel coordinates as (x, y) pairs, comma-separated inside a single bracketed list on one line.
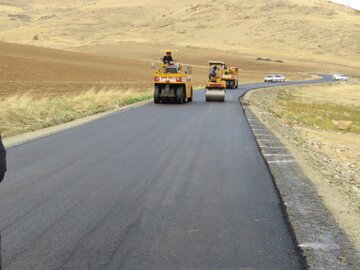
[(231, 77), (173, 82), (215, 86)]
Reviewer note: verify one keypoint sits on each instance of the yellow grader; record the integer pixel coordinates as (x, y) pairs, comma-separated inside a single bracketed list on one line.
[(215, 86), (173, 83), (231, 77)]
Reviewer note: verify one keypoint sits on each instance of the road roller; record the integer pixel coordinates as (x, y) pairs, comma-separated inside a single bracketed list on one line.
[(215, 86), (173, 81), (231, 77)]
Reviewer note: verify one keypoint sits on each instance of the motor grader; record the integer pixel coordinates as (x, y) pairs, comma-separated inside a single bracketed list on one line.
[(173, 83), (215, 86), (231, 77)]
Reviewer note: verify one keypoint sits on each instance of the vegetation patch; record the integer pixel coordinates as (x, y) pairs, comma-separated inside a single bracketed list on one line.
[(24, 113), (328, 116)]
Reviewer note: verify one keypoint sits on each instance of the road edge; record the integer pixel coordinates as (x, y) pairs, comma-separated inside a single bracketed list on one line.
[(14, 141), (323, 244)]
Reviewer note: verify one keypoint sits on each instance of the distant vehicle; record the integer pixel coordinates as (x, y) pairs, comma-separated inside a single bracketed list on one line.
[(269, 78), (274, 78), (279, 78), (340, 77), (231, 77)]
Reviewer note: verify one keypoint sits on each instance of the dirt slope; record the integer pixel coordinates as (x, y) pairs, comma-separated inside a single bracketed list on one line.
[(307, 29), (50, 72)]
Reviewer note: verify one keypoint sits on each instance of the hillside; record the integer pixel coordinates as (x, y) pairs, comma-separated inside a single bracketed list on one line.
[(50, 72), (310, 29)]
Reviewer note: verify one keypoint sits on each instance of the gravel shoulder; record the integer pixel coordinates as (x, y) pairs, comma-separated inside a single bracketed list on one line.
[(317, 174)]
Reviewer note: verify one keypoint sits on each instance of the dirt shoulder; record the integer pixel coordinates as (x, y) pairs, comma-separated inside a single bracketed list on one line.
[(320, 127)]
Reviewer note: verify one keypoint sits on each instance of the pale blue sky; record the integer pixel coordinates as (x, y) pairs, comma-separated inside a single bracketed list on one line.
[(352, 3)]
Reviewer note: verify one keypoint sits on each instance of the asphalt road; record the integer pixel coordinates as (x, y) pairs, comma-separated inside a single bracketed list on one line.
[(157, 187)]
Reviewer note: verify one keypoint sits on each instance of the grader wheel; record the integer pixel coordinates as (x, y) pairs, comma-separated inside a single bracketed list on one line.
[(179, 95), (191, 97), (157, 95)]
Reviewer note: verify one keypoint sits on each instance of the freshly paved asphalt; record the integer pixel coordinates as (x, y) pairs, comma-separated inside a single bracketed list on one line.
[(157, 187)]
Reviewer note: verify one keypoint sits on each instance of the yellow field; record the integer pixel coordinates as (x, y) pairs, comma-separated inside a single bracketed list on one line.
[(311, 30)]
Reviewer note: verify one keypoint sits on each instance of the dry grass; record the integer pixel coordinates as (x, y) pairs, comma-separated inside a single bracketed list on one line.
[(23, 113), (322, 116), (320, 107)]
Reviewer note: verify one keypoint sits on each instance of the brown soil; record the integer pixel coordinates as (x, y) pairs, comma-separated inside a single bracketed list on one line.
[(49, 72)]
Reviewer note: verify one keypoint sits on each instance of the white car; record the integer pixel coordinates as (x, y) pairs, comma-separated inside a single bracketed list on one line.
[(340, 77), (274, 78), (269, 78), (279, 78)]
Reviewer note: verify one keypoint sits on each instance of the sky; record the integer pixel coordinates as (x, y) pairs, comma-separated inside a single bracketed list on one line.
[(351, 3)]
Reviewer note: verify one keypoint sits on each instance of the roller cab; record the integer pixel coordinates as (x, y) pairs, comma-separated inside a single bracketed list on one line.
[(215, 86), (173, 83)]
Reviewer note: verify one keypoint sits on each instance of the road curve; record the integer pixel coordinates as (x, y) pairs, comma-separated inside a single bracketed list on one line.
[(157, 187)]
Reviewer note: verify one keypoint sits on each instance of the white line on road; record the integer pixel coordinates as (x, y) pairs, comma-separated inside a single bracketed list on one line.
[(266, 140), (272, 147), (257, 127), (282, 161), (276, 155)]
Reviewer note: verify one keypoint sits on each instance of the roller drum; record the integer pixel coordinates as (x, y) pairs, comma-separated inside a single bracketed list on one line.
[(215, 95)]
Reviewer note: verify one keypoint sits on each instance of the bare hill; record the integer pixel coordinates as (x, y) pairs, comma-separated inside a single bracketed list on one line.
[(308, 29), (51, 72), (48, 72)]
